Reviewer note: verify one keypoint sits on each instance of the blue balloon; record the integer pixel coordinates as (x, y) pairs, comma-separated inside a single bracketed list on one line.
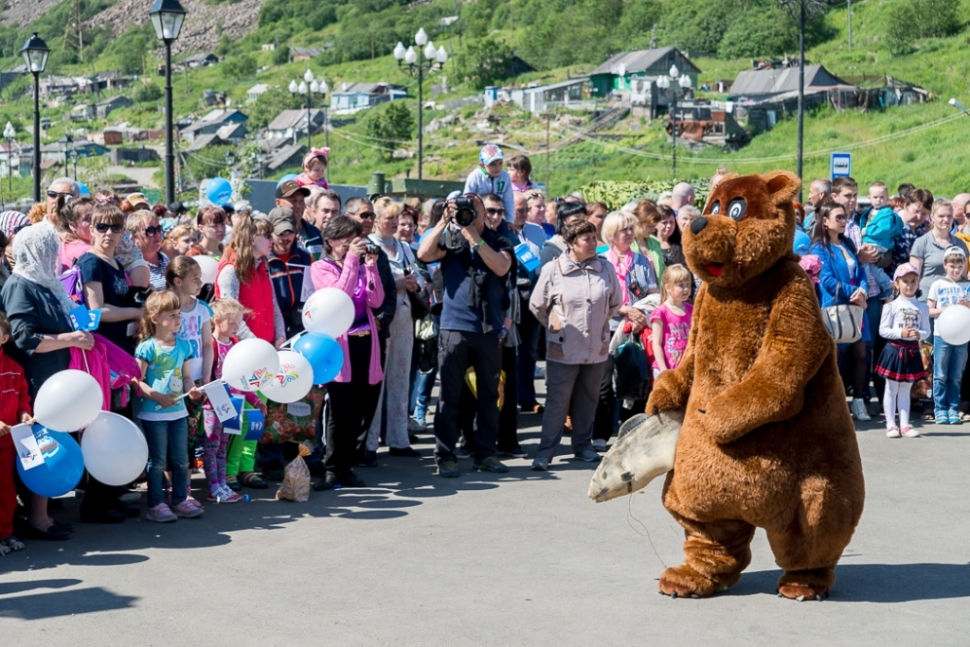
[(324, 354), (63, 464), (218, 191), (83, 188), (286, 178)]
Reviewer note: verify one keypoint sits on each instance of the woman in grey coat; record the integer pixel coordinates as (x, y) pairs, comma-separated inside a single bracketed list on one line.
[(574, 298)]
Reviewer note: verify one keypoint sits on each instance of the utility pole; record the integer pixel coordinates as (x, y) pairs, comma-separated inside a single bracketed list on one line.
[(548, 174), (849, 4), (801, 88)]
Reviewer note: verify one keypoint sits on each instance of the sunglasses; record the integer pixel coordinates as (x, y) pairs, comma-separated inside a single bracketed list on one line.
[(58, 194), (266, 236), (367, 215), (494, 212), (103, 228), (151, 231)]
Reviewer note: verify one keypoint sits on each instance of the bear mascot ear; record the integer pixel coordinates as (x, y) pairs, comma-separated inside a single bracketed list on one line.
[(782, 185)]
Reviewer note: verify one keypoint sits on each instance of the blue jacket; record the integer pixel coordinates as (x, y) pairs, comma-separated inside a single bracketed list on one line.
[(835, 281)]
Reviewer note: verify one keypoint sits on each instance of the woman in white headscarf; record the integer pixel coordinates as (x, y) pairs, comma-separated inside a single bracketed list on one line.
[(37, 306)]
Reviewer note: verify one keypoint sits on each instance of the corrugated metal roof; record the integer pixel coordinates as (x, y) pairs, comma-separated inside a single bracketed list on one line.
[(294, 119), (639, 61), (780, 80)]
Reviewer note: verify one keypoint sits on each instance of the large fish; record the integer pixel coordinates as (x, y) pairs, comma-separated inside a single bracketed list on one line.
[(643, 451)]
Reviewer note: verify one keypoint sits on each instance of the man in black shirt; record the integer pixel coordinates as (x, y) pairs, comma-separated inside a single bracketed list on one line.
[(474, 263)]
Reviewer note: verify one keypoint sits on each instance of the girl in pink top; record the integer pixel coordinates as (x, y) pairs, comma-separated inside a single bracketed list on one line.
[(670, 321), (355, 392), (315, 169)]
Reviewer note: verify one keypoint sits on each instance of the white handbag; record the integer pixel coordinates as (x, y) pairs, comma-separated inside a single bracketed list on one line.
[(844, 323)]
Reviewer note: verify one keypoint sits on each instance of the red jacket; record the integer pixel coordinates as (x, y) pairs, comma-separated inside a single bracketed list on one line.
[(256, 295), (14, 400)]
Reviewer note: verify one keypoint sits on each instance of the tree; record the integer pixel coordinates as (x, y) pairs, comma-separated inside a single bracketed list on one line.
[(237, 67), (270, 104), (389, 125), (485, 62), (148, 93)]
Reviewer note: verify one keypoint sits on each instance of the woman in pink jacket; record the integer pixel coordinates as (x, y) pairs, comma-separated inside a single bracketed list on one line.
[(354, 394)]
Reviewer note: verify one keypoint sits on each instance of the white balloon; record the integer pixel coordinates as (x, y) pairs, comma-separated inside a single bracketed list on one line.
[(330, 311), (250, 365), (68, 401), (954, 325), (293, 379), (209, 266), (115, 450)]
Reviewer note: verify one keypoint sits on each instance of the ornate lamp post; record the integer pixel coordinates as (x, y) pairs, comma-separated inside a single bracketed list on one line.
[(9, 133), (434, 60), (35, 52), (167, 18), (308, 87), (674, 85)]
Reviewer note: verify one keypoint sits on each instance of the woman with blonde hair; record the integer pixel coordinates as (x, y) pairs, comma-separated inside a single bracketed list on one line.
[(147, 234), (648, 219)]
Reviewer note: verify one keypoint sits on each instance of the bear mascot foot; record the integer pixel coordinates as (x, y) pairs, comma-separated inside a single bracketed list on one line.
[(811, 584), (683, 581)]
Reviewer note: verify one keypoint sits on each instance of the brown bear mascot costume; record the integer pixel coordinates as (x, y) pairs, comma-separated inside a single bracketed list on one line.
[(767, 440)]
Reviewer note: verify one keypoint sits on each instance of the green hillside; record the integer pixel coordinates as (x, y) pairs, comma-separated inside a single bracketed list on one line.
[(916, 143)]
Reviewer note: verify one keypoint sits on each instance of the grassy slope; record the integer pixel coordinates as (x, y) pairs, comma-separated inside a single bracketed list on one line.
[(929, 157)]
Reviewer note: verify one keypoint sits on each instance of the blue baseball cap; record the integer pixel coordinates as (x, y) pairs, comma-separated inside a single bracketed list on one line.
[(490, 153)]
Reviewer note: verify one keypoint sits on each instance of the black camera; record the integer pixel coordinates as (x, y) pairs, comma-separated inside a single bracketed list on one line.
[(465, 213), (372, 249)]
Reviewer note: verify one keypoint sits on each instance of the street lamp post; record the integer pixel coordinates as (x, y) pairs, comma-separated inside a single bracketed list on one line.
[(35, 53), (673, 85), (67, 143), (308, 87), (9, 133), (434, 60), (230, 161), (167, 18)]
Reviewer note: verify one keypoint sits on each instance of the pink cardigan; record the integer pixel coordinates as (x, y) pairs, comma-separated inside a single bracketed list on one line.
[(326, 275)]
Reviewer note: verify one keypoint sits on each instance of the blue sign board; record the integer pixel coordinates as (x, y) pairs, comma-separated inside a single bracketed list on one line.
[(841, 165)]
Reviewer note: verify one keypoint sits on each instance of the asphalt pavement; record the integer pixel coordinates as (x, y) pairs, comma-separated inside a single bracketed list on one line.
[(522, 558)]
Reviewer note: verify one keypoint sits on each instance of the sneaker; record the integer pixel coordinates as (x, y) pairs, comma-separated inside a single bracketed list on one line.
[(162, 514), (462, 452), (589, 455), (941, 418), (415, 425), (492, 464), (859, 412), (448, 469), (892, 432), (216, 495), (599, 444), (515, 452), (187, 511), (192, 501), (909, 431), (540, 465), (953, 417)]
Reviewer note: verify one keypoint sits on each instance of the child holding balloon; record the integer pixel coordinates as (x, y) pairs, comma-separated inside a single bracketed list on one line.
[(227, 316), (949, 359), (14, 409), (165, 366)]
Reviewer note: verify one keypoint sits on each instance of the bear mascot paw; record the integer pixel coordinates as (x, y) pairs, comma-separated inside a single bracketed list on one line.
[(767, 440)]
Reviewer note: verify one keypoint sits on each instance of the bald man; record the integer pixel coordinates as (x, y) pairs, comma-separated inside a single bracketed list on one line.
[(960, 202), (682, 194)]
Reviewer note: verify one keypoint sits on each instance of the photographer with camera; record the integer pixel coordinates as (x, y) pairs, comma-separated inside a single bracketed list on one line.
[(474, 264), (362, 210), (350, 264)]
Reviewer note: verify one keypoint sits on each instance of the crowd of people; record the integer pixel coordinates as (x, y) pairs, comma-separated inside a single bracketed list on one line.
[(467, 291)]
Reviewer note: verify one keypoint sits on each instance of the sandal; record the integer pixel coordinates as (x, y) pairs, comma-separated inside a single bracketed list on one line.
[(11, 544), (252, 480)]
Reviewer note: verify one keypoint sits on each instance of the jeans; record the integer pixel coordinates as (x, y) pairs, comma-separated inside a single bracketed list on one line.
[(168, 442), (948, 364)]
